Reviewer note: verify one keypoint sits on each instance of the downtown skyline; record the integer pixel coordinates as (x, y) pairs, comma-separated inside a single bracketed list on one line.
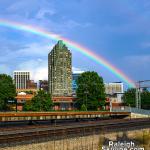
[(113, 34)]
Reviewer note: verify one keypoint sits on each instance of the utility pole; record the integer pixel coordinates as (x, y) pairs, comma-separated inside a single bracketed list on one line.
[(138, 95)]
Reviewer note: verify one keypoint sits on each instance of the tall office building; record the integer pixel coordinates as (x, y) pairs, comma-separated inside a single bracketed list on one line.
[(21, 78), (60, 70)]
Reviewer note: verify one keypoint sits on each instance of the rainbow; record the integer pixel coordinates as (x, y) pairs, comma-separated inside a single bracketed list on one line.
[(87, 52)]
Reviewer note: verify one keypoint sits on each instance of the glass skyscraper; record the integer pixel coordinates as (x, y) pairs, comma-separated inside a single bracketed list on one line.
[(74, 82), (60, 70)]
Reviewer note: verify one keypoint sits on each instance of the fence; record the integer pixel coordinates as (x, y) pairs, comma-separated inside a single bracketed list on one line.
[(131, 109)]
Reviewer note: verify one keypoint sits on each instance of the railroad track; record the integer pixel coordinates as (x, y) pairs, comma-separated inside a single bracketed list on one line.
[(44, 124), (70, 130)]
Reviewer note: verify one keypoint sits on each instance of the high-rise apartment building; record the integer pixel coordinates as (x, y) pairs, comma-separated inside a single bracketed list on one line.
[(60, 70), (21, 78)]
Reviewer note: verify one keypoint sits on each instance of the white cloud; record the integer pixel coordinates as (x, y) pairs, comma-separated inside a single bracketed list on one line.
[(4, 69), (77, 70), (32, 50), (69, 24), (38, 68), (32, 57), (27, 7), (43, 13), (35, 49), (40, 73)]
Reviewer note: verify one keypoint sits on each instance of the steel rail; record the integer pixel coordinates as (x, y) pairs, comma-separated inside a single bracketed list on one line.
[(72, 130)]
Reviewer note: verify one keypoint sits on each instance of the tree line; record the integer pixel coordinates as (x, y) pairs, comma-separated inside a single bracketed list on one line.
[(90, 95), (40, 102), (129, 98)]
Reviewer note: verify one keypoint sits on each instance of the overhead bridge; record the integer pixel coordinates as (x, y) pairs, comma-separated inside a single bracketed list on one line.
[(24, 116)]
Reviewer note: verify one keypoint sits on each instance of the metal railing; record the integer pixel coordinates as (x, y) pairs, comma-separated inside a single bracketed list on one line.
[(131, 109)]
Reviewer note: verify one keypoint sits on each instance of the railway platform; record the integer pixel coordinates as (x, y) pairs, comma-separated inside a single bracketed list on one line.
[(24, 116)]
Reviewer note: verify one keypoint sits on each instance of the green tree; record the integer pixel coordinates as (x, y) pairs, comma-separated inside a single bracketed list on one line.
[(129, 97), (29, 92), (145, 99), (90, 91), (83, 107), (7, 90), (40, 102)]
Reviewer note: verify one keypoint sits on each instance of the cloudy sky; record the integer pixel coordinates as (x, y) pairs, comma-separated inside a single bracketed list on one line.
[(115, 29)]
